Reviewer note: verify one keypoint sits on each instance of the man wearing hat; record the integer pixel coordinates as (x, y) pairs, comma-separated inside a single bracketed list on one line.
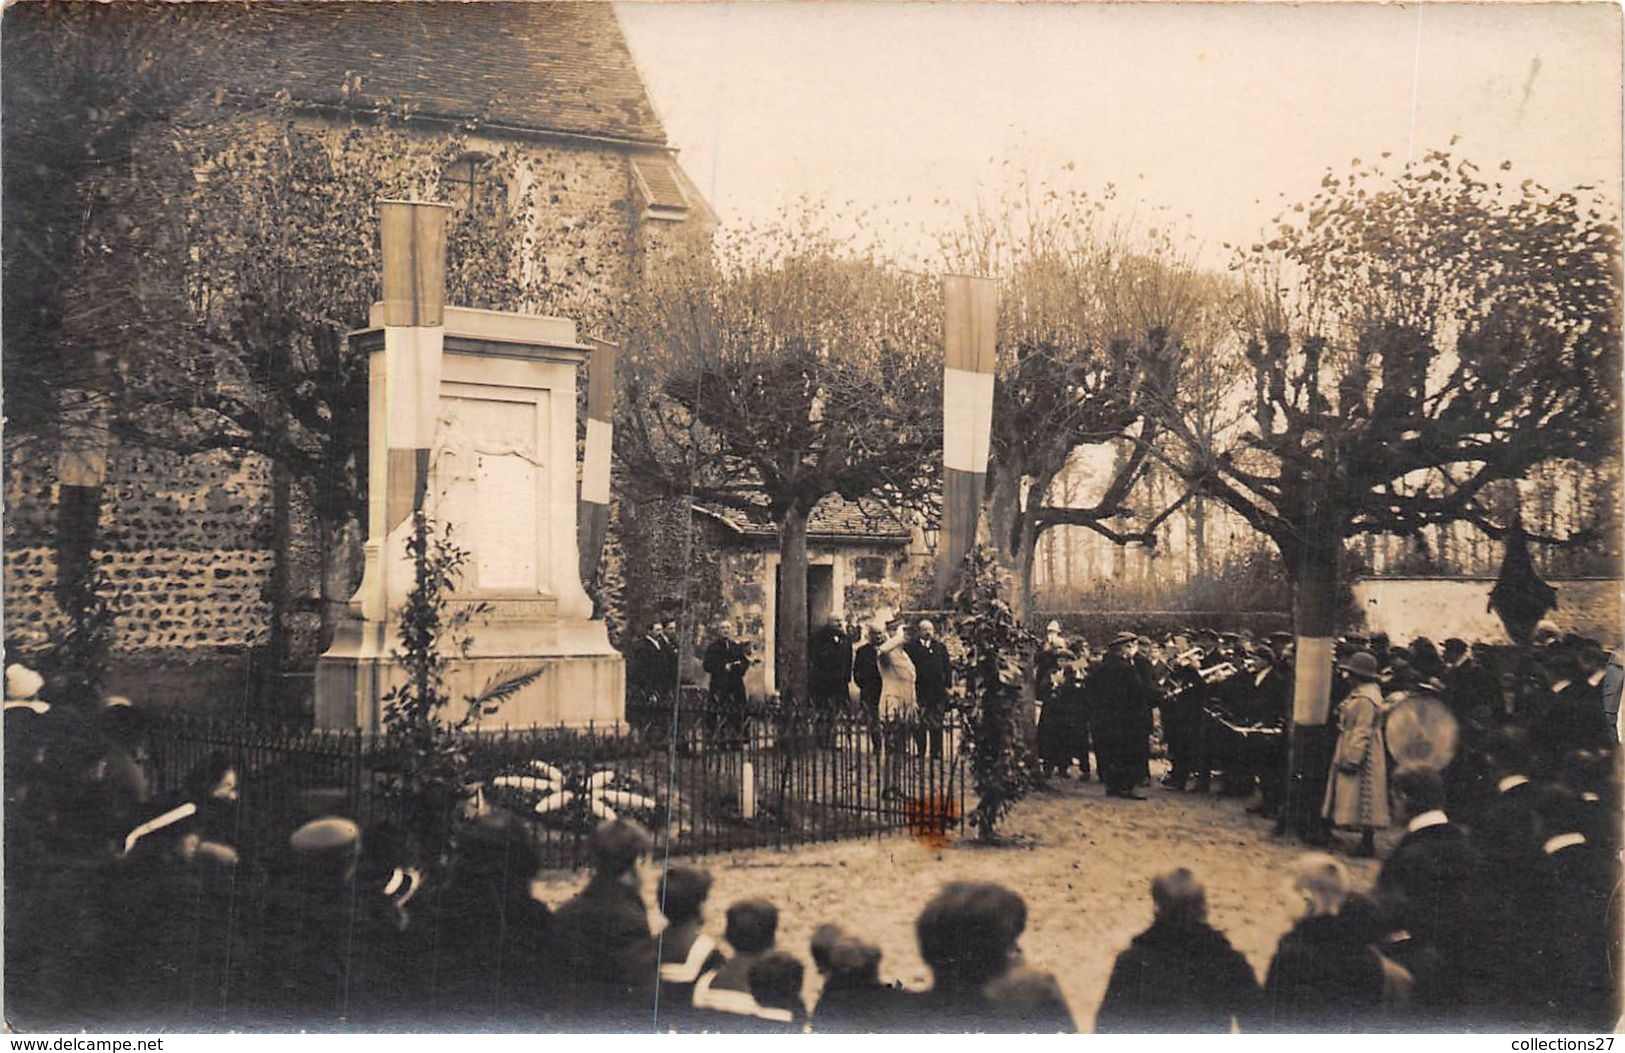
[(1272, 708), (1472, 692), (1047, 666), (1182, 716), (1122, 718), (1357, 793), (299, 951)]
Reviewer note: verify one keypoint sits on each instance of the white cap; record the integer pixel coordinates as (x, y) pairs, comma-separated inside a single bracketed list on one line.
[(22, 683)]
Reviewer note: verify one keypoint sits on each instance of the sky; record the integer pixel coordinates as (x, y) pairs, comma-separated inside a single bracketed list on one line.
[(1218, 112)]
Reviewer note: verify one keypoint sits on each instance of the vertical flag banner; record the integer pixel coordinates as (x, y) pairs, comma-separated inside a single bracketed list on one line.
[(594, 505), (413, 240), (969, 341)]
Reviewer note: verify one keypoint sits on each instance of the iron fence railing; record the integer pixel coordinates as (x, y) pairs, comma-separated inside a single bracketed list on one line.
[(702, 779)]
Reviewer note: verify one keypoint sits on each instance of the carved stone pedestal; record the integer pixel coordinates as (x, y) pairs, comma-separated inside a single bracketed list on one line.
[(502, 472)]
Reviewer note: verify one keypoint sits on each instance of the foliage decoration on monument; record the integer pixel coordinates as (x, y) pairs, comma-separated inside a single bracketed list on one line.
[(995, 649), (426, 750), (81, 646)]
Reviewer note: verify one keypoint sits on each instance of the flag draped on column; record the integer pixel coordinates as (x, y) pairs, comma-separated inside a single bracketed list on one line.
[(413, 240), (969, 338), (594, 504)]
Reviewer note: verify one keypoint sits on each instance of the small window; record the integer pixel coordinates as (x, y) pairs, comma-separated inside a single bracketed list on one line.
[(870, 568), (662, 191), (473, 186)]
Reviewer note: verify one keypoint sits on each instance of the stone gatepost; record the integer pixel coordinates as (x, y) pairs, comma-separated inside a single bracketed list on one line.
[(471, 417)]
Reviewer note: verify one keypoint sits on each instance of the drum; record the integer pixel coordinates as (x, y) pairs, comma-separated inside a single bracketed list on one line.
[(1422, 730)]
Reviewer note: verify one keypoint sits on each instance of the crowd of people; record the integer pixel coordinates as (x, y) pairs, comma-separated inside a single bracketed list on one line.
[(1498, 909), (882, 669), (1500, 906)]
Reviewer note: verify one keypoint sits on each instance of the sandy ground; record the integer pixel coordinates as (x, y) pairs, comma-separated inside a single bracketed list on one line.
[(1082, 861)]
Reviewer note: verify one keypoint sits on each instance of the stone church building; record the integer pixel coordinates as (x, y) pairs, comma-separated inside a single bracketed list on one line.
[(207, 550)]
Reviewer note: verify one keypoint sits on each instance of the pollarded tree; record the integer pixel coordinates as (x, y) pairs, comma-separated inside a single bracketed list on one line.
[(1410, 341), (785, 368), (1092, 321)]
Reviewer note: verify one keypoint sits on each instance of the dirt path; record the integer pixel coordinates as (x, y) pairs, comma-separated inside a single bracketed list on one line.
[(1083, 864)]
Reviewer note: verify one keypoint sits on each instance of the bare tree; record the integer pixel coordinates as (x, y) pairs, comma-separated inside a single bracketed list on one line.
[(1093, 321), (784, 369), (1409, 341)]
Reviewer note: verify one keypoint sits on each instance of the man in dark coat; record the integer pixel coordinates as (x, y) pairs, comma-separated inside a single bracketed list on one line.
[(1047, 665), (1121, 719), (830, 652), (1430, 886), (604, 962), (933, 676), (866, 674), (1181, 975), (1472, 691), (1063, 725), (300, 955), (1507, 838), (646, 665), (828, 675), (1272, 702), (1576, 967), (726, 662), (1576, 720), (1181, 708)]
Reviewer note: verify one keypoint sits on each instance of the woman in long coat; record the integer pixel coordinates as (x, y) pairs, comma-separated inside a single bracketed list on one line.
[(1357, 792)]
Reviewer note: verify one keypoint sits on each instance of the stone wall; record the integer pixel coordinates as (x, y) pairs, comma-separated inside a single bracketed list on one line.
[(183, 545), (1439, 608)]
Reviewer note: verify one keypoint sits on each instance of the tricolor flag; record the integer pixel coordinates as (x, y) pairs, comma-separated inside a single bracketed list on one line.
[(969, 339), (413, 240), (594, 505)]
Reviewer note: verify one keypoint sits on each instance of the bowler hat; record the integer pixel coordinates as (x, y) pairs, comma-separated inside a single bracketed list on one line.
[(1362, 664), (22, 682)]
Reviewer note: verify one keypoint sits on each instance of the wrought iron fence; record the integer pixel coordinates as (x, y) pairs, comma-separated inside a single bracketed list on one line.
[(701, 779)]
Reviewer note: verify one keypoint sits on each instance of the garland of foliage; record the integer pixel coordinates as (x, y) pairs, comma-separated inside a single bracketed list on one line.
[(995, 650), (426, 745)]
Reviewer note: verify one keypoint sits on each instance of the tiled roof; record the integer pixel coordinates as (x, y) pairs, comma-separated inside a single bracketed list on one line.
[(539, 67), (833, 517)]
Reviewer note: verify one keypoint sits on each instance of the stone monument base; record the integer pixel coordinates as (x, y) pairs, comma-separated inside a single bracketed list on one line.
[(582, 681)]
